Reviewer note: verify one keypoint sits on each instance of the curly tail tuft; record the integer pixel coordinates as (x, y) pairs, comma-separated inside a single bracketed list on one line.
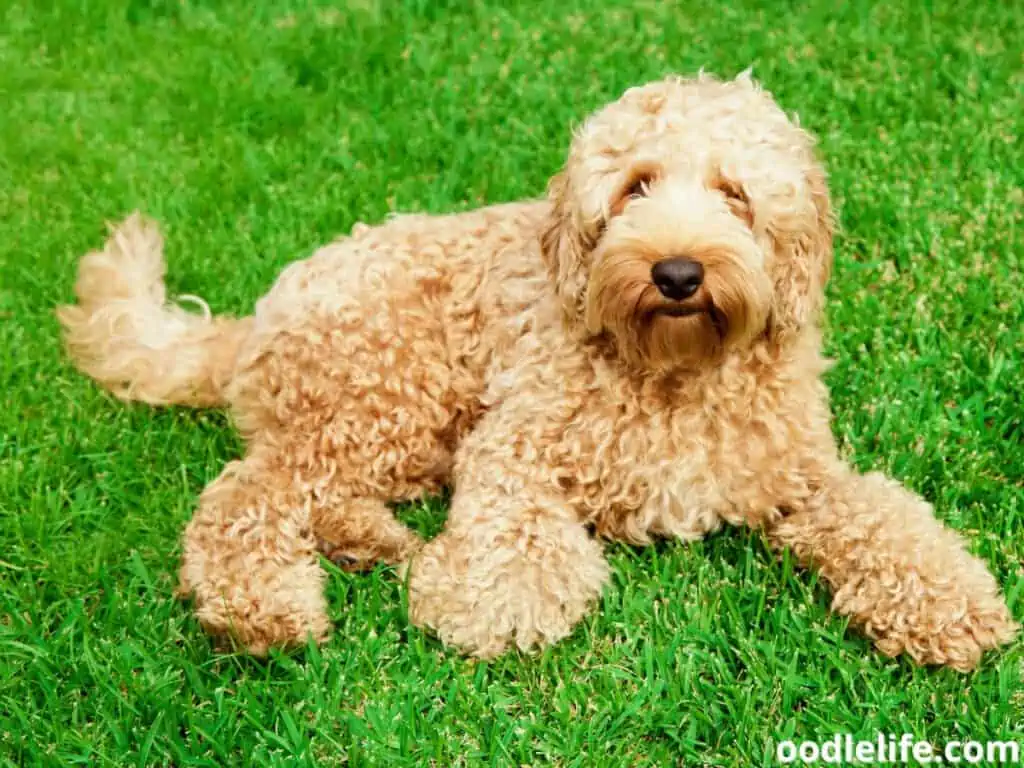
[(125, 335)]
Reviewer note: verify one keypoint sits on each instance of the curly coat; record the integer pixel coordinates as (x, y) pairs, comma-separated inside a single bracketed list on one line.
[(524, 355)]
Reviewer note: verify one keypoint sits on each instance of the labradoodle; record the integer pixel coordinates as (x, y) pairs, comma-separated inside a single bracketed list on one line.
[(636, 356)]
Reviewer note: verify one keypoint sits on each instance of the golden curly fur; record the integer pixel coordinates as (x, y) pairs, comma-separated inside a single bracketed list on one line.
[(525, 355)]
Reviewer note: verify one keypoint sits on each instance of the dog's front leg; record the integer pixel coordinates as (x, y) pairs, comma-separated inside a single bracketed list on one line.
[(903, 577), (515, 565)]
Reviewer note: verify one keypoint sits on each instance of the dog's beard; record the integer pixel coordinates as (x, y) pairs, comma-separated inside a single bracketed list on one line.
[(729, 309)]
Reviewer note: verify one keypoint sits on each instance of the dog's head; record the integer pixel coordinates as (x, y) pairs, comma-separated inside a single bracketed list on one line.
[(691, 218)]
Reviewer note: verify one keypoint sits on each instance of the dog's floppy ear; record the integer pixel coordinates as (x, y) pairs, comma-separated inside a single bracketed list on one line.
[(804, 261), (562, 245)]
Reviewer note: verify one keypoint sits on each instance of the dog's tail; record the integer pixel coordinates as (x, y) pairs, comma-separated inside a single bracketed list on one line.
[(125, 335)]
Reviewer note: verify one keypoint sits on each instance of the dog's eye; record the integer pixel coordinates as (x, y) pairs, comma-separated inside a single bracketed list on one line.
[(639, 187), (735, 197)]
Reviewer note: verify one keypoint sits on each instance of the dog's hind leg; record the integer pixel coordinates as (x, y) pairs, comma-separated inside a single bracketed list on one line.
[(250, 559), (361, 417), (357, 533)]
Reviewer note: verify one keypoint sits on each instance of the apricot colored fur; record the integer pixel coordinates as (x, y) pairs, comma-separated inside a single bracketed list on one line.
[(521, 354)]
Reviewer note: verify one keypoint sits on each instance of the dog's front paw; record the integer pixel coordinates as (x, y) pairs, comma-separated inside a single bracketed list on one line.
[(946, 623), (522, 590), (950, 636)]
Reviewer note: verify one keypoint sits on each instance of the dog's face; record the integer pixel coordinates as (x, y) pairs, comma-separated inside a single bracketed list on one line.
[(691, 218)]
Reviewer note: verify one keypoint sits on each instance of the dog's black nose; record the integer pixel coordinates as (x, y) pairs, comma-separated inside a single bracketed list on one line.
[(677, 278)]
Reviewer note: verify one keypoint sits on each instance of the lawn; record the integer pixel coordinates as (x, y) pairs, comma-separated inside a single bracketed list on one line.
[(253, 132)]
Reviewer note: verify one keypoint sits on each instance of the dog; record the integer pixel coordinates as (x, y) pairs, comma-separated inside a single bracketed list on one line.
[(636, 356)]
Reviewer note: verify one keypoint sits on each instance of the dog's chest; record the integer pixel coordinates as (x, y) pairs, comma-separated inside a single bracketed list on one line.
[(657, 478), (682, 499)]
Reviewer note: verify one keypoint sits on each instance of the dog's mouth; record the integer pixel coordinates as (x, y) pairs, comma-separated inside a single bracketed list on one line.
[(718, 320), (676, 310)]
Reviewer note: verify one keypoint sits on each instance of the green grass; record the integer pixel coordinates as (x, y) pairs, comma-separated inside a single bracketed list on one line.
[(255, 133)]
